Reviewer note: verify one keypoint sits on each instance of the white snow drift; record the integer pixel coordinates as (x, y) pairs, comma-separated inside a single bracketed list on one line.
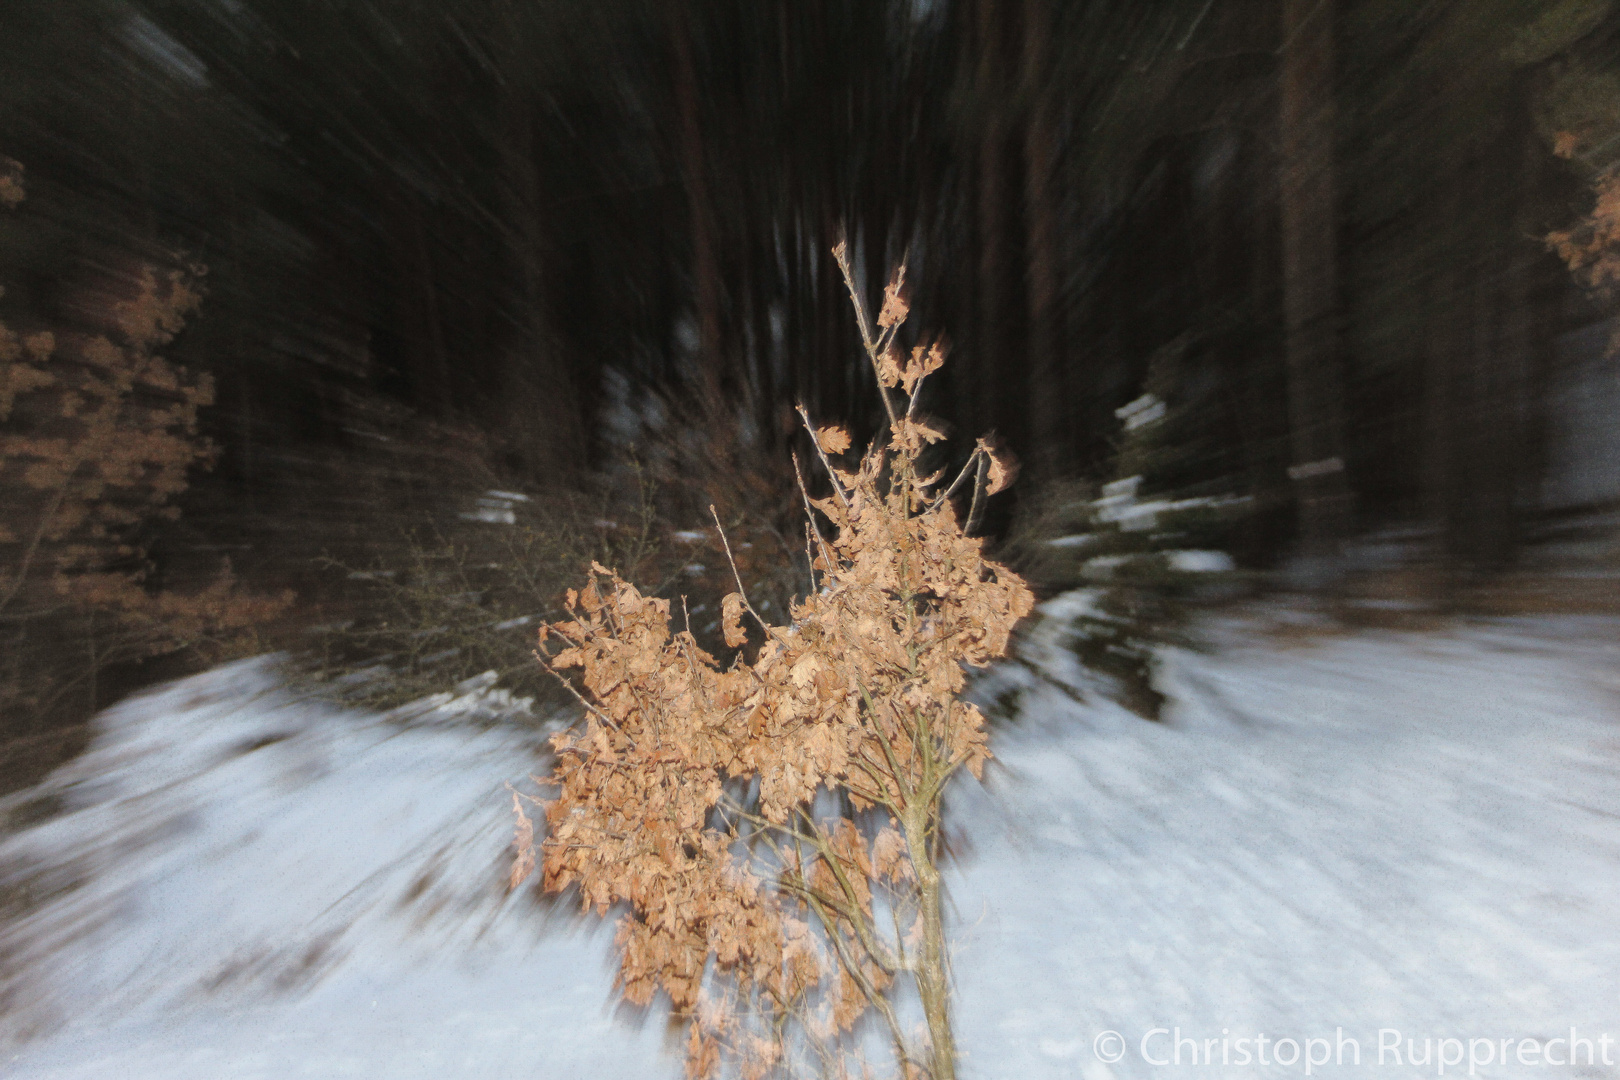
[(1340, 844)]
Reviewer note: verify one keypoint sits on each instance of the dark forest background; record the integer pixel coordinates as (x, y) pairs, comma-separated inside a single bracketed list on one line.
[(540, 246)]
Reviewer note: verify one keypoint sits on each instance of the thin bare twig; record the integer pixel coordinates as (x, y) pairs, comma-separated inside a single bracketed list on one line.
[(977, 506), (967, 470), (763, 625), (804, 414), (873, 353), (810, 519), (545, 662), (872, 994), (810, 559)]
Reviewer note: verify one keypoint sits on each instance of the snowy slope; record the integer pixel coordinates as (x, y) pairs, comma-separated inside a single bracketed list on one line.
[(1415, 833), (273, 889), (1391, 833)]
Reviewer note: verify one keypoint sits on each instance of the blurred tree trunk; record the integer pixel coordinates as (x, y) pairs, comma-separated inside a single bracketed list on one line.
[(1049, 390), (1504, 340), (768, 394), (538, 407), (1480, 396), (1498, 409), (705, 260), (1439, 406), (795, 302), (440, 390), (993, 217), (1310, 274), (996, 221), (540, 404)]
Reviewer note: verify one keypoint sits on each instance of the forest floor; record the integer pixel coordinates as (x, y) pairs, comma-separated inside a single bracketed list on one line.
[(1338, 838)]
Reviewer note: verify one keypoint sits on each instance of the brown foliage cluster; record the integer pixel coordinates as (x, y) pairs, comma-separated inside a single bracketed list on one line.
[(1591, 249), (690, 792), (110, 434), (99, 433), (11, 183)]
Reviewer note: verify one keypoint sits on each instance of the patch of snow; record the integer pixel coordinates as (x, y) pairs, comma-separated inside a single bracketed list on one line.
[(496, 508), (1125, 488), (1144, 410), (1103, 567), (244, 882), (1200, 562), (151, 41), (513, 624), (1383, 833), (1413, 833), (1141, 412)]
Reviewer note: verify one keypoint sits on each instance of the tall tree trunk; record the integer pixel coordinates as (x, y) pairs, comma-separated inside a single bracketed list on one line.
[(994, 218), (705, 258), (540, 406), (1440, 482), (832, 348), (1049, 397), (1310, 275), (795, 302), (767, 387), (1506, 395), (439, 387), (990, 348)]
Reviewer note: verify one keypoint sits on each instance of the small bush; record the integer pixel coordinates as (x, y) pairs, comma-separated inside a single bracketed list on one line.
[(98, 434), (460, 594), (1591, 247), (701, 461), (454, 577), (773, 827), (1144, 544)]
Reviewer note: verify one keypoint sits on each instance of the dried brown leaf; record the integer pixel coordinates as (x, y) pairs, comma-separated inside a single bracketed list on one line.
[(890, 368), (924, 361), (834, 439), (523, 842), (895, 307), (1003, 468), (929, 430), (732, 608)]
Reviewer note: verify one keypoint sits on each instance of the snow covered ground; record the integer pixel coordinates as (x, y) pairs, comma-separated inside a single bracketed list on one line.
[(1335, 837)]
